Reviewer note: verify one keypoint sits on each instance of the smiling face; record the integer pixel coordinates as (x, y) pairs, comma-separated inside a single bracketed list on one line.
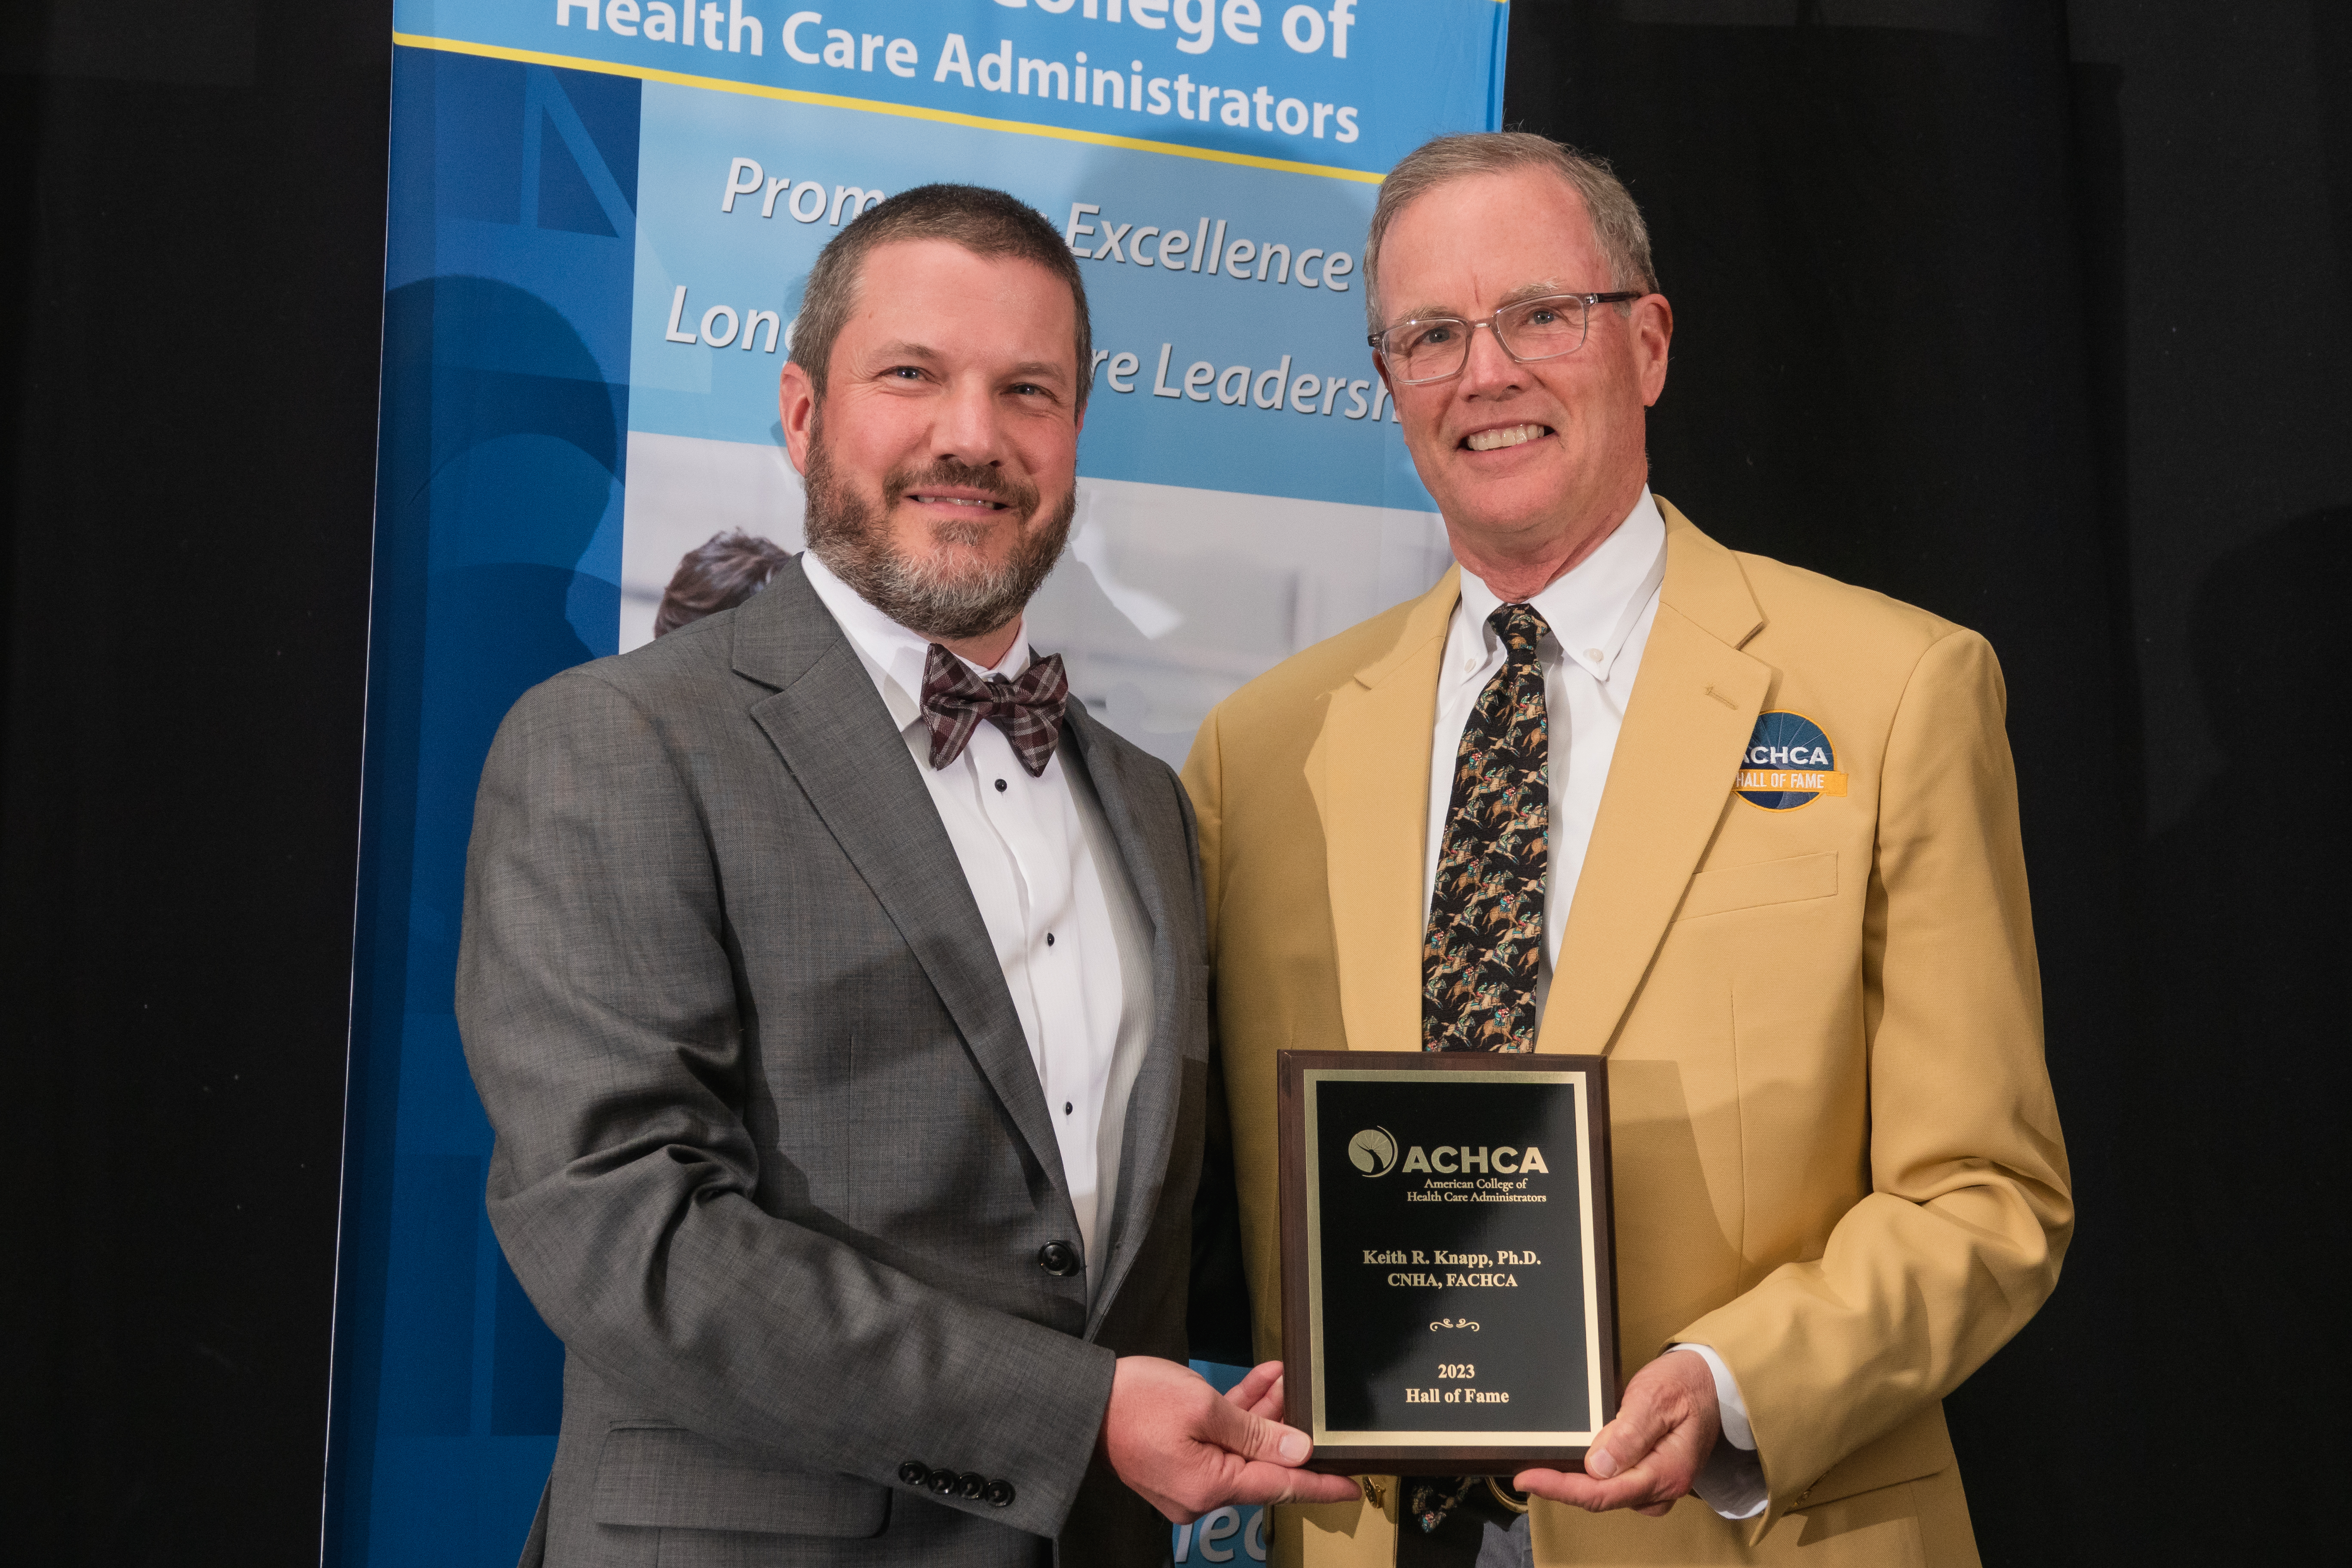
[(1532, 464), (941, 464)]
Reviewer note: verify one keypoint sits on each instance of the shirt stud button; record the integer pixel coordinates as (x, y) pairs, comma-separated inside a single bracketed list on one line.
[(1066, 1107), (1049, 939), (1000, 787)]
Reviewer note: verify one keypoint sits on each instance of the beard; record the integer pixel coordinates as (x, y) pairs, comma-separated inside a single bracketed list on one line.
[(933, 596)]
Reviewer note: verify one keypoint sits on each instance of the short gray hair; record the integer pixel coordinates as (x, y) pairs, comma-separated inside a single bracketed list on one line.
[(988, 223), (1617, 223)]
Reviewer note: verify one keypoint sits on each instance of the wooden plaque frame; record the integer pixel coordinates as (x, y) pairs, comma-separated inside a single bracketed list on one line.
[(1307, 1299)]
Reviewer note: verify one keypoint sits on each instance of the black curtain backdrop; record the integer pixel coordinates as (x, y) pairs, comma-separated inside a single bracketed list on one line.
[(2035, 314)]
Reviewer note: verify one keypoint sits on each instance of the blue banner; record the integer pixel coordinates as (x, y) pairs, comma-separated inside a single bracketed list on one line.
[(601, 214)]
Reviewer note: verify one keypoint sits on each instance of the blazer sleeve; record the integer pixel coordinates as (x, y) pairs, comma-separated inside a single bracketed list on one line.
[(599, 1017), (1960, 1239)]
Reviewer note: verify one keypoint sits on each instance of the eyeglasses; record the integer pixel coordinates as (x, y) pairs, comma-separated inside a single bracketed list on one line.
[(1432, 348)]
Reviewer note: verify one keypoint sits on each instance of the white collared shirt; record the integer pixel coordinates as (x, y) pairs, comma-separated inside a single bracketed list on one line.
[(1071, 936), (1599, 614)]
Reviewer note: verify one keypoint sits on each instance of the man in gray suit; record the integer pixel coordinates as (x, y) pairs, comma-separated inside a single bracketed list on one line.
[(837, 990)]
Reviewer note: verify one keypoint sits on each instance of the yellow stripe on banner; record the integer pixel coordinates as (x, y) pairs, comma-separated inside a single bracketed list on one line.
[(1796, 781), (874, 106)]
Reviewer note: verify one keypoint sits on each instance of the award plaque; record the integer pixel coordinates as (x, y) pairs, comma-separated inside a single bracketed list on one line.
[(1448, 1279)]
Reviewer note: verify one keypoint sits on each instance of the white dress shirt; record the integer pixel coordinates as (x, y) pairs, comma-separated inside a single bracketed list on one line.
[(1070, 935), (1599, 614)]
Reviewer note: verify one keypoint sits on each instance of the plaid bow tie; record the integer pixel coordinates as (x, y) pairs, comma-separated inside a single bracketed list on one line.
[(1029, 711)]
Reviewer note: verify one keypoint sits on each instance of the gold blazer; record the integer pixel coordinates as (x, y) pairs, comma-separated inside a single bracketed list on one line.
[(1836, 1156)]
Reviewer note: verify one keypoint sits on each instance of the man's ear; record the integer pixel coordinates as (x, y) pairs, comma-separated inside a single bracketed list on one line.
[(1654, 330), (796, 411)]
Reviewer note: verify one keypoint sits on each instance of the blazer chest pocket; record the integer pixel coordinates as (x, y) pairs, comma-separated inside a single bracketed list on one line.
[(669, 1478), (1724, 889)]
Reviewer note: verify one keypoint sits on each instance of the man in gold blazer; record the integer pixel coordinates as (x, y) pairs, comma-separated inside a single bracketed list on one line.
[(1612, 789)]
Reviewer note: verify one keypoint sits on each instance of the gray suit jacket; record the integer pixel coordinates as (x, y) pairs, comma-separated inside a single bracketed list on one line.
[(772, 1158)]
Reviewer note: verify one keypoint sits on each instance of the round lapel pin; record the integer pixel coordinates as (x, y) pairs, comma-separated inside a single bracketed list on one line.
[(1788, 763)]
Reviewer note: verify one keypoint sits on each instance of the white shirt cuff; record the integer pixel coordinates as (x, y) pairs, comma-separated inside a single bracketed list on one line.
[(1731, 1482)]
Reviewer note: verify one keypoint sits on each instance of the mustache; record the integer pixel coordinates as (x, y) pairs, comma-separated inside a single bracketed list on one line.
[(951, 473)]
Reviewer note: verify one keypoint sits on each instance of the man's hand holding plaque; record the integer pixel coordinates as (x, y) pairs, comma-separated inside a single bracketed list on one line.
[(1185, 1448), (1666, 1425)]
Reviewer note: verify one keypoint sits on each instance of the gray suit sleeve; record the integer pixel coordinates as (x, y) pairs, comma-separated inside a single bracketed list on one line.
[(601, 1020)]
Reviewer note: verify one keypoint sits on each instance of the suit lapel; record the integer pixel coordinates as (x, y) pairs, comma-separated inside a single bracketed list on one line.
[(830, 727), (1370, 773), (1163, 878), (1693, 706)]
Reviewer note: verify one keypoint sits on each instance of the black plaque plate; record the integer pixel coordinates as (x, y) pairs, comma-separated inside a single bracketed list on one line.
[(1449, 1301)]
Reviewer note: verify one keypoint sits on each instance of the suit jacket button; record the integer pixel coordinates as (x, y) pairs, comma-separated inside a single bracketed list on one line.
[(1059, 1258), (943, 1482), (999, 1494), (914, 1472), (972, 1488)]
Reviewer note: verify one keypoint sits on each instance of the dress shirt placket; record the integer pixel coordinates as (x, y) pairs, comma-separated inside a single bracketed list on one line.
[(1034, 821)]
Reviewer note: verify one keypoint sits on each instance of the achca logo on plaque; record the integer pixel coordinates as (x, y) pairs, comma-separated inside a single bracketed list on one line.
[(1373, 1151)]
